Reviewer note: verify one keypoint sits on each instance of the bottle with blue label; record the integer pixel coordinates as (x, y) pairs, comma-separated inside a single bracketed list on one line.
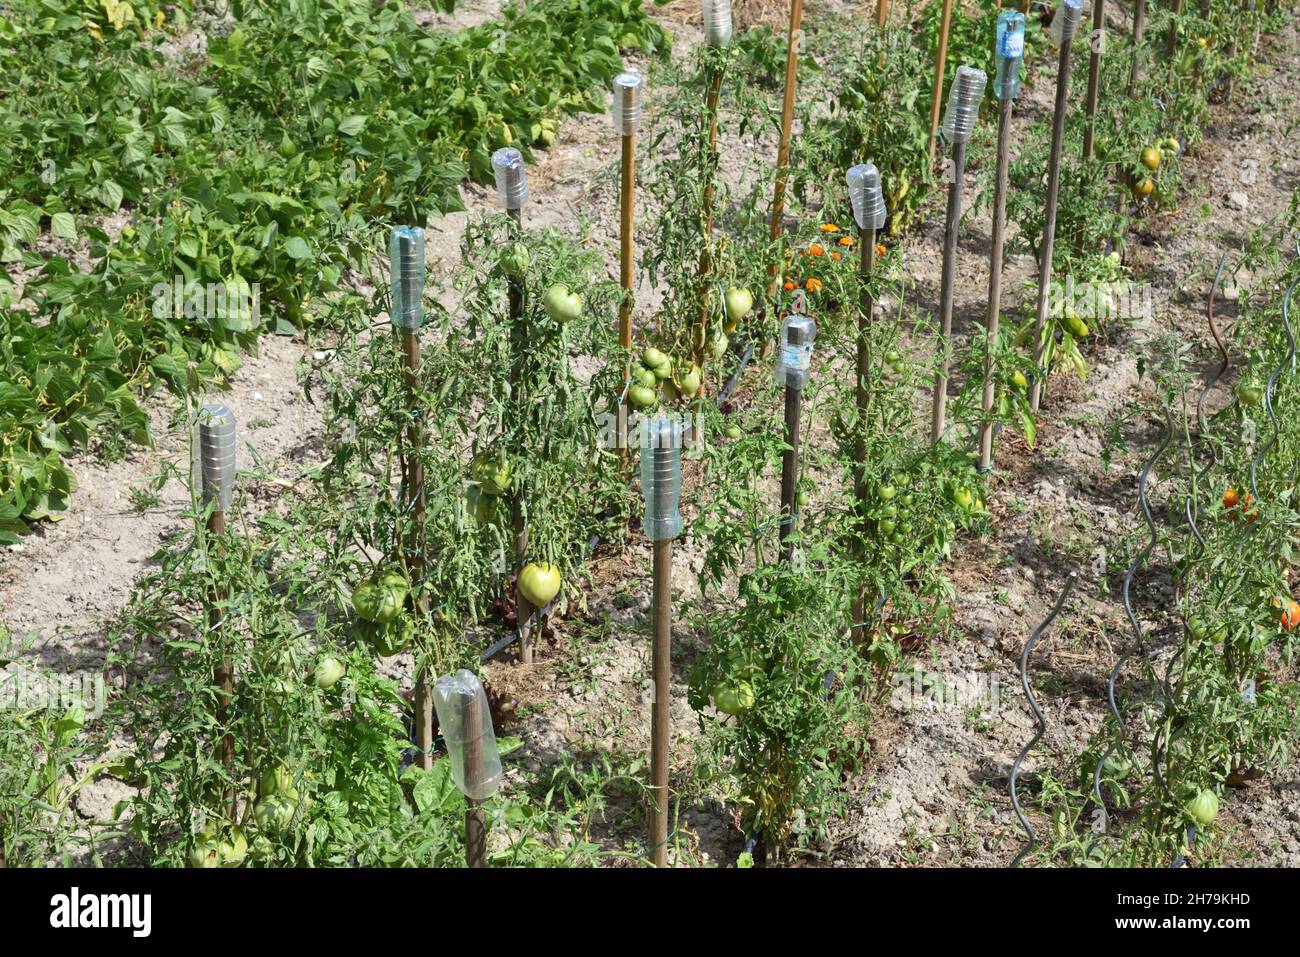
[(1010, 54)]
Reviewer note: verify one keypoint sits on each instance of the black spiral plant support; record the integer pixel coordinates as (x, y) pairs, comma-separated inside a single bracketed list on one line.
[(1139, 640), (1271, 388), (1038, 716)]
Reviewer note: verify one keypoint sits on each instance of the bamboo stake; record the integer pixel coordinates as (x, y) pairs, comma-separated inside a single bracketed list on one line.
[(1009, 51), (518, 345), (783, 149), (940, 62), (995, 280), (1053, 192), (1171, 41), (415, 507), (660, 717), (626, 116), (1094, 77), (217, 469), (882, 13), (1139, 27), (938, 415), (475, 820), (866, 306)]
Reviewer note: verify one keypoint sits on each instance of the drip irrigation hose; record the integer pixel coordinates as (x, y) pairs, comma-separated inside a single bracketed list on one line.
[(1271, 387), (1038, 716), (1140, 643)]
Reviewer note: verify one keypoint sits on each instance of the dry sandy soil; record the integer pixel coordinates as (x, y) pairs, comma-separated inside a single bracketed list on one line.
[(936, 792)]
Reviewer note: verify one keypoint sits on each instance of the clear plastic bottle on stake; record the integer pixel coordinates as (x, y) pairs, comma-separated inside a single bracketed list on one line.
[(465, 720), (1010, 54), (512, 181), (717, 22), (963, 103), (1066, 20), (866, 196), (626, 108), (661, 477), (406, 277), (216, 454), (795, 358)]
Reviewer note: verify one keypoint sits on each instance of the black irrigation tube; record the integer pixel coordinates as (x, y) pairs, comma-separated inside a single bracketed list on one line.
[(1038, 716), (1271, 388), (1140, 643)]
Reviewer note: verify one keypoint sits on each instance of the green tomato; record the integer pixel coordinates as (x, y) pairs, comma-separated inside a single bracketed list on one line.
[(1078, 328), (516, 259), (381, 599), (644, 377), (885, 492), (1019, 381), (733, 697), (1249, 393), (739, 302), (539, 583), (492, 472), (888, 526), (273, 814), (277, 781), (1203, 808), (732, 431), (641, 397), (328, 672), (964, 497), (893, 355), (689, 382), (898, 367), (802, 498), (652, 358), (560, 304)]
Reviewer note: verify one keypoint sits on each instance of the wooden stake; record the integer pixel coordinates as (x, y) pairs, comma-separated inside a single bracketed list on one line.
[(660, 717), (783, 149), (415, 511), (1139, 26), (866, 306), (790, 471), (940, 61), (224, 678), (475, 820), (699, 345), (1049, 221), (882, 13), (938, 416), (1094, 77), (625, 271), (518, 348), (995, 279), (1171, 42)]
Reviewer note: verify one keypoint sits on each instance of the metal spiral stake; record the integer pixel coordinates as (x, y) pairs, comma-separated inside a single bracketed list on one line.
[(1270, 390), (217, 464), (1202, 427), (1139, 639), (958, 123), (661, 483), (1063, 26), (1038, 716)]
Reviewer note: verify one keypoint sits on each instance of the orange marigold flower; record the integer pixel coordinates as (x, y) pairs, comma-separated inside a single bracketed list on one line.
[(830, 228), (816, 250), (846, 240), (881, 250), (836, 256), (789, 286), (813, 285)]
